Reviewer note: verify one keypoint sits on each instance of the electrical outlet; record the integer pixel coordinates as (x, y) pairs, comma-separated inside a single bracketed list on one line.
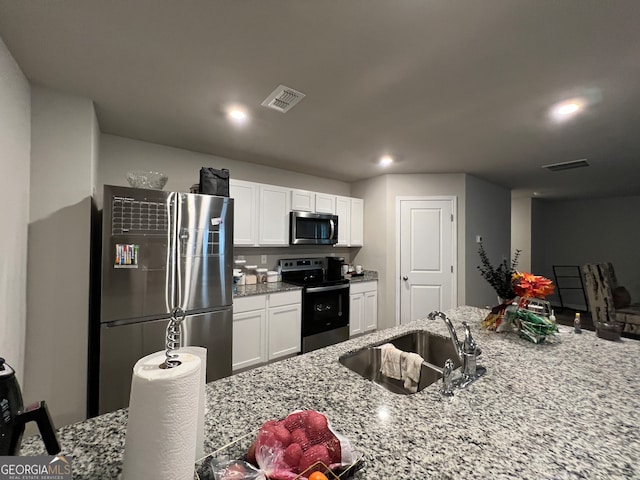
[(263, 259), (478, 238)]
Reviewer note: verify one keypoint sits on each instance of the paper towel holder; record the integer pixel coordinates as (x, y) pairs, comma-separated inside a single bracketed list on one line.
[(173, 338)]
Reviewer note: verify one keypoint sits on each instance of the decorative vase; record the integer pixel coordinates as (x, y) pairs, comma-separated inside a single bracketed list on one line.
[(495, 319)]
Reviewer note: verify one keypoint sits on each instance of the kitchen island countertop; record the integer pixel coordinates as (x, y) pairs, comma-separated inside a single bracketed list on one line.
[(569, 408)]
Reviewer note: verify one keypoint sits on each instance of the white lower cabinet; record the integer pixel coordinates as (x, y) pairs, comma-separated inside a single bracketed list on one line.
[(249, 332), (356, 313), (363, 307), (265, 327), (371, 309)]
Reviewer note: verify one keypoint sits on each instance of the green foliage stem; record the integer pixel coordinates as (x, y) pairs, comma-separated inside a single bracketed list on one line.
[(499, 277)]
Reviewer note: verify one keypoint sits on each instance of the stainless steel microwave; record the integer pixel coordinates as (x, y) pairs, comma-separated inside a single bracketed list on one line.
[(313, 229)]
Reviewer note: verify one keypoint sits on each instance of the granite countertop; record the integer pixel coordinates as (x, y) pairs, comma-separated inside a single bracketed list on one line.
[(369, 276), (565, 409), (265, 288)]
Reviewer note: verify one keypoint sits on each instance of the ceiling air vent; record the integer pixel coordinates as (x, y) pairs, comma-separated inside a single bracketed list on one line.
[(557, 167), (283, 99)]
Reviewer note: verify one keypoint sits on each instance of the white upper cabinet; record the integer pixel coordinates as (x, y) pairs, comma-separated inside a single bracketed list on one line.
[(357, 223), (274, 207), (261, 213), (325, 203), (245, 224), (350, 213), (303, 201), (343, 210)]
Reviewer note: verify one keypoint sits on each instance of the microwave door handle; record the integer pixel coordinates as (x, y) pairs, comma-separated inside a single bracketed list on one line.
[(333, 228)]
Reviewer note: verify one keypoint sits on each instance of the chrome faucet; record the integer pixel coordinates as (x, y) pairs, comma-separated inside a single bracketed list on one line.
[(467, 351)]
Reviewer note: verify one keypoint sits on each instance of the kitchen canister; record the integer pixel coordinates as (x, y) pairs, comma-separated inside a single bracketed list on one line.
[(238, 276), (250, 276), (272, 276), (261, 274)]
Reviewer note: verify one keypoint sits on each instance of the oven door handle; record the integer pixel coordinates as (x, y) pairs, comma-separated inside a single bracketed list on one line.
[(327, 289)]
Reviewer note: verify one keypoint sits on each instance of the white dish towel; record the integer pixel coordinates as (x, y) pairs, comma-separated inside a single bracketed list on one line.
[(391, 364), (411, 366), (401, 366)]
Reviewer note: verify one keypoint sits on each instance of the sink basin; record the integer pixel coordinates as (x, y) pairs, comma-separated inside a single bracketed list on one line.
[(433, 348)]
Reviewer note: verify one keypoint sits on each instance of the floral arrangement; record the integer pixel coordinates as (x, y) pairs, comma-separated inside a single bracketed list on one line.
[(500, 277), (509, 284)]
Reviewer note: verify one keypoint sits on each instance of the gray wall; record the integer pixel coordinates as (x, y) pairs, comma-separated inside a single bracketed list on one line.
[(380, 249), (574, 232), (15, 147), (118, 155), (64, 145), (489, 215)]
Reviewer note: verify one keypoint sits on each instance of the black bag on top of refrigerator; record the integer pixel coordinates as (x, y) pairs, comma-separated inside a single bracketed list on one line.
[(214, 181)]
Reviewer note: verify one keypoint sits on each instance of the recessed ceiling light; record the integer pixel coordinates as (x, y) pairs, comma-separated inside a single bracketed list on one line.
[(567, 109), (385, 160), (237, 115)]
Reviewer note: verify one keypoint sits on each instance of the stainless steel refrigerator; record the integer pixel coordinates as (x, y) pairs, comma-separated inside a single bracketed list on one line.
[(161, 251)]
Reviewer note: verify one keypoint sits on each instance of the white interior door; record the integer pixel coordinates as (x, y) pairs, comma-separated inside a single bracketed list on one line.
[(426, 257)]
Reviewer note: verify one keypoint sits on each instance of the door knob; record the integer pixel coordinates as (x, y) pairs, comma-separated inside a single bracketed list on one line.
[(405, 278)]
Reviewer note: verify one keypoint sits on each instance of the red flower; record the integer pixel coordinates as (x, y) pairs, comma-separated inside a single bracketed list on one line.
[(528, 285)]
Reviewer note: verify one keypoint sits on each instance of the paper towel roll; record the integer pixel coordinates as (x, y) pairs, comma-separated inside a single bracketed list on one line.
[(162, 428), (202, 353)]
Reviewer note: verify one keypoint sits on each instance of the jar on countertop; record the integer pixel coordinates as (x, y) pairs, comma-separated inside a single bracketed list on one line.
[(261, 274), (239, 272), (250, 275), (238, 276), (272, 276)]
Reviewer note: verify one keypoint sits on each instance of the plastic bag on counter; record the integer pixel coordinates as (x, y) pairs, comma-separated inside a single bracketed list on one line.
[(292, 449)]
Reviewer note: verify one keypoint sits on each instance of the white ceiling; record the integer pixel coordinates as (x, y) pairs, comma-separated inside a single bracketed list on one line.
[(447, 86)]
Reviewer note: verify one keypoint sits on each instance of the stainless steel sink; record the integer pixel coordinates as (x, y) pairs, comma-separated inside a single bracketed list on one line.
[(433, 348)]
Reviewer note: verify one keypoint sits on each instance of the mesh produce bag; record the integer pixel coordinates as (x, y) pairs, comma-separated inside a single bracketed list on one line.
[(292, 449)]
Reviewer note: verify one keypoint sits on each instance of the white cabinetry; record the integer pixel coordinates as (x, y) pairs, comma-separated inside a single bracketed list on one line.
[(265, 327), (261, 213), (350, 213), (245, 225), (325, 203), (274, 207), (356, 238), (284, 324), (249, 332), (306, 201), (303, 201), (371, 308), (356, 314), (363, 307), (343, 210)]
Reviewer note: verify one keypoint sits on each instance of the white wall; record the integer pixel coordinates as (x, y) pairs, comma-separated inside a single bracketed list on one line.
[(380, 247), (575, 232), (15, 147), (488, 214), (118, 155), (64, 145)]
